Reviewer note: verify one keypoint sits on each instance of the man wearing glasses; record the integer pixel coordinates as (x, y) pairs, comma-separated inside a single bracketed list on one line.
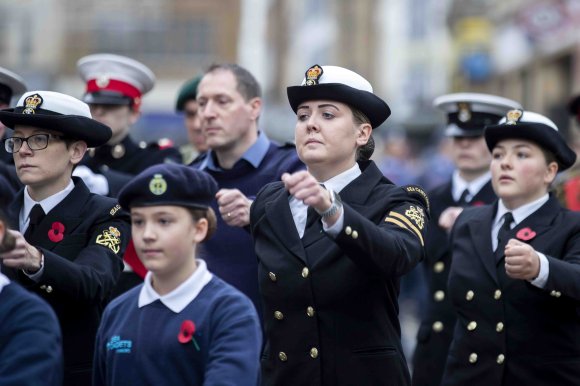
[(69, 241)]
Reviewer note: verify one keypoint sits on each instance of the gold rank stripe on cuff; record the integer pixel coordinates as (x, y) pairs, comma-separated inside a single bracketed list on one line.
[(406, 224)]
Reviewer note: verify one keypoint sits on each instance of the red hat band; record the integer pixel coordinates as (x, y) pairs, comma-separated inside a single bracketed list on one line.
[(124, 88)]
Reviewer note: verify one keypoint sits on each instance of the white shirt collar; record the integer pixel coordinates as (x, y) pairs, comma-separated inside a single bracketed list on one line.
[(338, 182), (180, 297), (4, 281), (521, 213), (47, 204), (459, 185)]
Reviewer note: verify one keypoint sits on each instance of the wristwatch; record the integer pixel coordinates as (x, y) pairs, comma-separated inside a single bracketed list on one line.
[(336, 205)]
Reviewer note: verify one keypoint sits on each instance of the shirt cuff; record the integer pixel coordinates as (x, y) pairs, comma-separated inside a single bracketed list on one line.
[(542, 278), (38, 274), (335, 229)]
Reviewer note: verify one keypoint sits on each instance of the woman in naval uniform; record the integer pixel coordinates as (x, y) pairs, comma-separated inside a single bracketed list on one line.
[(332, 243), (515, 273)]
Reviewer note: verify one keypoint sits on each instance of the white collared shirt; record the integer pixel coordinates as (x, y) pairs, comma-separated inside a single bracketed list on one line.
[(336, 183), (47, 204), (520, 214), (180, 297), (4, 281), (458, 185)]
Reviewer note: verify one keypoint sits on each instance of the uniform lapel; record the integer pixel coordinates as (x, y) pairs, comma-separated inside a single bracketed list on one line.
[(282, 224), (480, 232), (538, 222)]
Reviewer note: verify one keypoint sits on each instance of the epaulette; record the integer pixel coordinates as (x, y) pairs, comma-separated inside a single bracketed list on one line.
[(418, 193)]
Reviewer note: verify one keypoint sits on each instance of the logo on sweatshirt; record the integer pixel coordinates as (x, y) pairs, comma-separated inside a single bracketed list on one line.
[(119, 346)]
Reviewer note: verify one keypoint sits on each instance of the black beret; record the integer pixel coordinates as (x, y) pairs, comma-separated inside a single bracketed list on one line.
[(169, 184), (532, 127), (187, 92), (341, 85)]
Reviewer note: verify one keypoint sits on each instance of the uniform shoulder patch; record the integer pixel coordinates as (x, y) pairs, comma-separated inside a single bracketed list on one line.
[(115, 209), (411, 218), (418, 192), (110, 238)]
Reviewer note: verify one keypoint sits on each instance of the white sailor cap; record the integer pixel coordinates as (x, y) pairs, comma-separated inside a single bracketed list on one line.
[(114, 79), (469, 113)]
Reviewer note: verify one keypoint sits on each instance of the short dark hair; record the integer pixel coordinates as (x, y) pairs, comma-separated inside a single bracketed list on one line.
[(208, 214), (247, 85)]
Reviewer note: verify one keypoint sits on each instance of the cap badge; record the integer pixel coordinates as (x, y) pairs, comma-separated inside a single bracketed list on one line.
[(158, 185), (313, 74), (464, 114), (513, 116), (102, 81), (32, 103)]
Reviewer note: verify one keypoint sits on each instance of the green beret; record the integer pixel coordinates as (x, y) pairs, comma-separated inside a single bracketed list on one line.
[(187, 92)]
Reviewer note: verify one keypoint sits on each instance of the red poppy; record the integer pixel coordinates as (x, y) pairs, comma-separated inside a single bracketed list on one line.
[(56, 232), (186, 333), (525, 234), (477, 203)]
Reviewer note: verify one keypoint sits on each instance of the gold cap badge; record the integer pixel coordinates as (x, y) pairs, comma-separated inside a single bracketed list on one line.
[(513, 116), (32, 103), (464, 112), (313, 74), (157, 185)]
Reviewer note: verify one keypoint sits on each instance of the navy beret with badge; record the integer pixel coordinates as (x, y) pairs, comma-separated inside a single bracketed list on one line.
[(469, 113), (169, 184), (342, 85), (532, 127), (60, 112)]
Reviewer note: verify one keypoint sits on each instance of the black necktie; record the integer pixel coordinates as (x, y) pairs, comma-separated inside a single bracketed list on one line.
[(36, 215), (502, 235), (463, 199)]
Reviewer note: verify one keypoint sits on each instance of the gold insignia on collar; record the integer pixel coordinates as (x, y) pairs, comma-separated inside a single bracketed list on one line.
[(157, 185), (32, 103), (513, 116), (313, 74), (464, 112), (110, 238)]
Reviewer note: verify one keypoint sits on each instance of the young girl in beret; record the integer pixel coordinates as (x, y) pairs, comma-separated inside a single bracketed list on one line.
[(515, 273), (182, 326)]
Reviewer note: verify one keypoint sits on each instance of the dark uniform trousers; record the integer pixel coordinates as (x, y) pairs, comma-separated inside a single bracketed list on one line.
[(330, 305), (510, 332), (82, 239), (436, 329)]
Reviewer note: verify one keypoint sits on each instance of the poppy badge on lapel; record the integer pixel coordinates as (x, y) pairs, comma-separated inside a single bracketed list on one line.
[(525, 234), (186, 333), (56, 232)]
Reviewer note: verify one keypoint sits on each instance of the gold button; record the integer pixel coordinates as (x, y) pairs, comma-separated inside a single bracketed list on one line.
[(472, 357), (499, 327), (439, 296), (48, 289), (439, 267), (437, 326), (558, 294), (272, 276), (497, 294), (282, 356), (310, 311), (553, 293), (314, 352), (354, 235), (348, 230), (305, 272), (472, 325), (278, 315), (469, 295), (500, 359), (43, 287)]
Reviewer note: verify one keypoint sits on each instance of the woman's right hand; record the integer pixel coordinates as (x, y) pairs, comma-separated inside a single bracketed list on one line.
[(448, 217)]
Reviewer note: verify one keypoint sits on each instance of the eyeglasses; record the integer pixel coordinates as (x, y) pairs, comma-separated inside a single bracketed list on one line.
[(34, 142)]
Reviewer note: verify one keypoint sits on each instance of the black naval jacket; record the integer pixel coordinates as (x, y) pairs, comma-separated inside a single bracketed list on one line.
[(436, 330), (120, 163), (82, 261), (510, 332), (330, 305)]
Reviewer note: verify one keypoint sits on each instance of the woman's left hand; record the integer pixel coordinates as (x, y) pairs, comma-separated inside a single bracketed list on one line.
[(521, 260), (303, 186)]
